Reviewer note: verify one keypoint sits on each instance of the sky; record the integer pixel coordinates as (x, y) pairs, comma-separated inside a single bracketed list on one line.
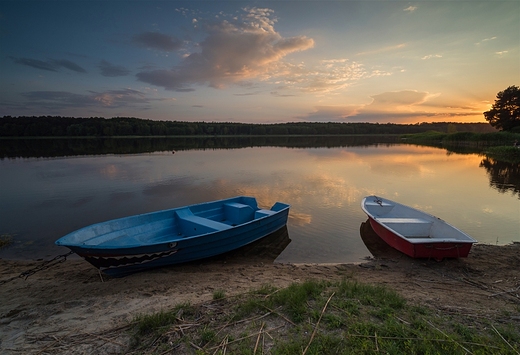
[(258, 61)]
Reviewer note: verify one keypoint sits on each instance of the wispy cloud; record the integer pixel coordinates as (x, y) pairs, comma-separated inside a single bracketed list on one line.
[(486, 40), (35, 63), (394, 99), (107, 99), (430, 56), (410, 8), (327, 76), (49, 65), (384, 49), (396, 106), (331, 113), (69, 65), (111, 70)]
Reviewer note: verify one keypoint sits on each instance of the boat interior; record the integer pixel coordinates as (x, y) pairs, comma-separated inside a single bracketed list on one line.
[(409, 227), (220, 218), (163, 226)]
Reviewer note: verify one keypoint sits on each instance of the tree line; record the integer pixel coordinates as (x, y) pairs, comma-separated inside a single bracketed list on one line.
[(57, 126)]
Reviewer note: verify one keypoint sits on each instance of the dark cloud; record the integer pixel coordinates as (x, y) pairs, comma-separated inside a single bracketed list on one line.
[(158, 41), (58, 99), (49, 65), (35, 63), (107, 99), (175, 80), (110, 70), (69, 65)]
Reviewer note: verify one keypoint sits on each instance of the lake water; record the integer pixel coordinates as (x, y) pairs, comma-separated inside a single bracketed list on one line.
[(45, 198)]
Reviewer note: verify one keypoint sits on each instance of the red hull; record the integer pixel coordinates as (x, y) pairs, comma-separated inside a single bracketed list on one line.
[(436, 251)]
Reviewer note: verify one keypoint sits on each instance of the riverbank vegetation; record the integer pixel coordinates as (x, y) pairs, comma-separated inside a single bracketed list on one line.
[(496, 144), (504, 153), (464, 138), (55, 126), (320, 317), (5, 240)]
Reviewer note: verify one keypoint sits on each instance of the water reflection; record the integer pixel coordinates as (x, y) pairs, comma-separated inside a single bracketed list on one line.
[(264, 250), (42, 148), (503, 176), (44, 199), (375, 245)]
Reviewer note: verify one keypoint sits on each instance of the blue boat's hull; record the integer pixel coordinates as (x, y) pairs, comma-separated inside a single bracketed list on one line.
[(175, 236)]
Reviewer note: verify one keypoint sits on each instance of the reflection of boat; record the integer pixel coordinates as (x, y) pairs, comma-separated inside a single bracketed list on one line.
[(413, 232), (375, 245), (266, 249), (174, 236)]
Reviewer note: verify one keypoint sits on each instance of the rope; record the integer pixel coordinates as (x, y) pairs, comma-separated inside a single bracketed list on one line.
[(44, 266)]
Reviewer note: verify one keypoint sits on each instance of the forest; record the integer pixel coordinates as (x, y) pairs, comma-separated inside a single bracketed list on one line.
[(57, 126)]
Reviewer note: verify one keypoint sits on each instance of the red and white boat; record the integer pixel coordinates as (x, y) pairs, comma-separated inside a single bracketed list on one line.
[(413, 232)]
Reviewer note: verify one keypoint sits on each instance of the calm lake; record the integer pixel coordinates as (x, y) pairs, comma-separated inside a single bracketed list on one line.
[(50, 188)]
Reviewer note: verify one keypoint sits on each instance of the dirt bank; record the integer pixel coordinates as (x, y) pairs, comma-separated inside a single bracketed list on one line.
[(69, 308)]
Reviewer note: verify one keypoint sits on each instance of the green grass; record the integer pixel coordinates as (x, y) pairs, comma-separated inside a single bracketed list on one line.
[(219, 294), (318, 317), (5, 240), (463, 138), (507, 153)]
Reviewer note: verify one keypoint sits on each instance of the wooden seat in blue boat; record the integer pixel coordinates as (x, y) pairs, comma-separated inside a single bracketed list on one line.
[(263, 213), (191, 224), (238, 213)]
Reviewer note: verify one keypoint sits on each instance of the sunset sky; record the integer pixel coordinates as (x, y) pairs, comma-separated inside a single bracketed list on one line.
[(258, 61)]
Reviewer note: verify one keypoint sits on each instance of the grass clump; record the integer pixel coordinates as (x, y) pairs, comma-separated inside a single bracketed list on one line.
[(5, 240), (318, 317), (219, 294), (507, 153)]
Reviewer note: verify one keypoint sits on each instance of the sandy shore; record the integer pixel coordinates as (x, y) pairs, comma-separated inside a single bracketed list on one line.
[(70, 308)]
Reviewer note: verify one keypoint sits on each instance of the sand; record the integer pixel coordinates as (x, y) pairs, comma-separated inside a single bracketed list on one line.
[(70, 308)]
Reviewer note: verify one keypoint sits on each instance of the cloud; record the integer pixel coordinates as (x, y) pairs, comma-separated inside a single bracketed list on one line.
[(248, 93), (110, 70), (232, 51), (410, 8), (330, 113), (409, 106), (277, 94), (35, 63), (385, 49), (158, 41), (49, 65), (426, 57), (325, 77), (69, 65), (107, 99), (486, 40), (398, 107), (397, 99)]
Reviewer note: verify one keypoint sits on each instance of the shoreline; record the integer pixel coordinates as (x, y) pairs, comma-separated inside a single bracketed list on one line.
[(71, 298)]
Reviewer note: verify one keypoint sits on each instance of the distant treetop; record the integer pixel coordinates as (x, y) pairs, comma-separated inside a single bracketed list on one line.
[(55, 126)]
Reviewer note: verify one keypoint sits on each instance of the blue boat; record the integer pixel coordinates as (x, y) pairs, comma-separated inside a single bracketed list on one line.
[(126, 245)]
